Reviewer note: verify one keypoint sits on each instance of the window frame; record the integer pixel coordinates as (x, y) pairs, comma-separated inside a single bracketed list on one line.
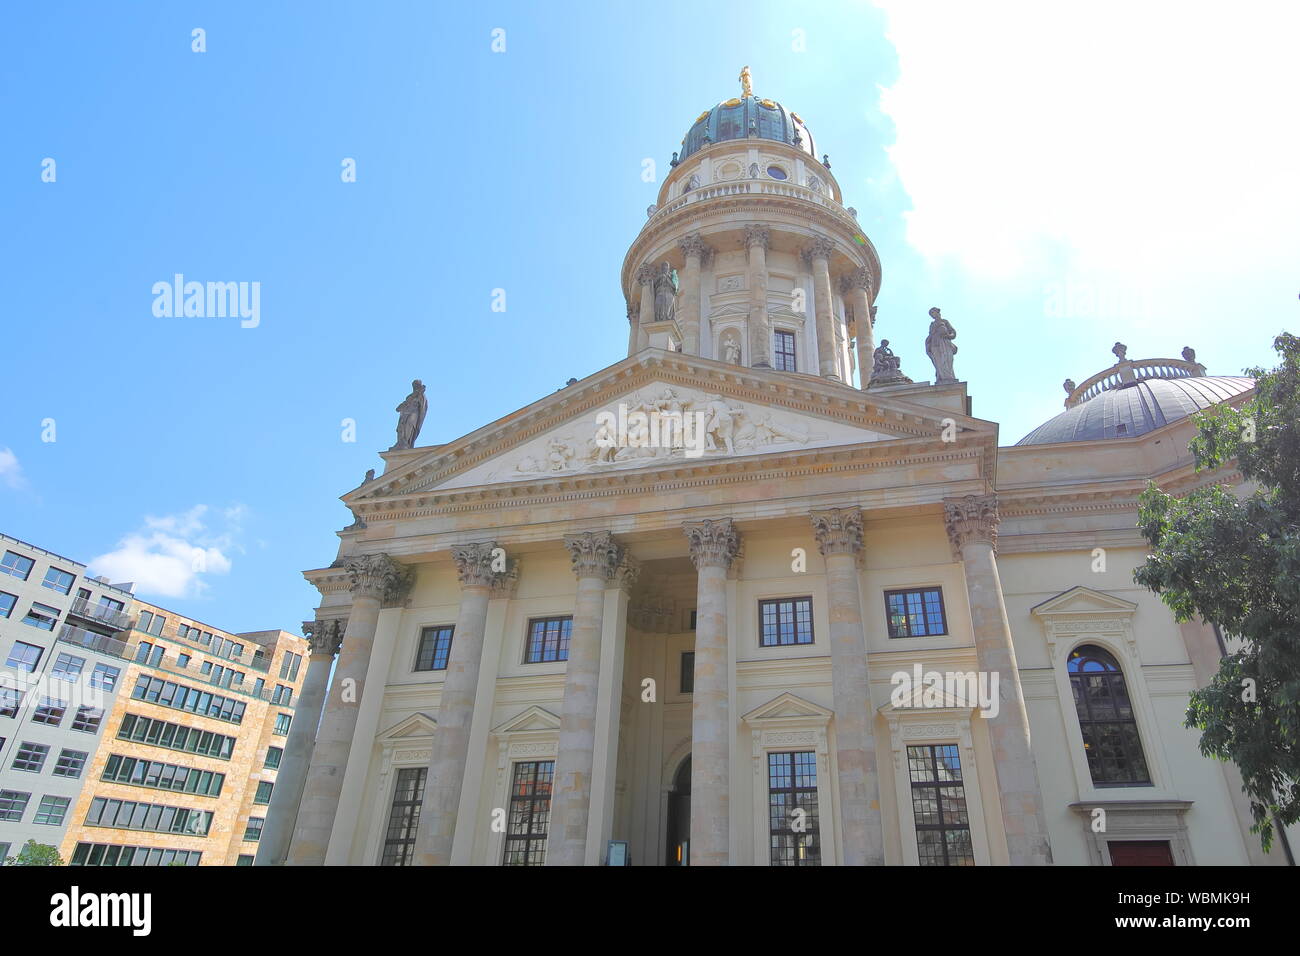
[(922, 590), (562, 640), (793, 600)]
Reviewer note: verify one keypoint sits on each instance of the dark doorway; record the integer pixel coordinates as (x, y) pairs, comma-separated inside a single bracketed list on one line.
[(1141, 853), (679, 817)]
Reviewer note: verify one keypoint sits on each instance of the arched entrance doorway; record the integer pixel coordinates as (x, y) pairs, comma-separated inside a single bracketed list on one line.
[(679, 817)]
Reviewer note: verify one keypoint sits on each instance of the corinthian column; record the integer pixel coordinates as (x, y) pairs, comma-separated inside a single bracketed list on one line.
[(323, 637), (760, 325), (839, 538), (596, 556), (375, 579), (646, 276), (714, 545), (817, 255), (972, 525), (696, 251), (455, 707), (857, 289)]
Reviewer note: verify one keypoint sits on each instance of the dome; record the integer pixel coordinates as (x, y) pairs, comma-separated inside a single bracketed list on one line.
[(1135, 408), (738, 117)]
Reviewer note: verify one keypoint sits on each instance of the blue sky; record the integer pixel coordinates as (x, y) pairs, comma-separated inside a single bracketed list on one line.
[(1053, 177)]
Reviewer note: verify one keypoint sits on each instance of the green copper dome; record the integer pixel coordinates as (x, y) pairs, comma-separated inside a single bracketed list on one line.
[(744, 116)]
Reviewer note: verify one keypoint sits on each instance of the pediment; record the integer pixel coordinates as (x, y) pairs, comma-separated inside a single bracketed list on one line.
[(1083, 602), (591, 428), (787, 707), (931, 698), (417, 725), (532, 720)]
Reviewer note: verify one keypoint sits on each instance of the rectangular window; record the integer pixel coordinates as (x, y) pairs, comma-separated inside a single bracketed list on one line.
[(245, 859), (404, 817), (143, 622), (793, 820), (182, 660), (52, 810), (289, 665), (104, 676), (263, 794), (42, 616), (939, 806), (273, 757), (529, 814), (688, 672), (13, 804), (88, 719), (548, 640), (142, 652), (16, 565), (156, 625), (31, 757), (915, 612), (57, 580), (783, 351), (70, 763), (282, 724), (67, 666), (10, 700), (7, 602), (111, 854), (283, 695), (156, 657), (180, 697), (253, 831), (131, 815), (435, 647), (785, 621), (50, 712), (259, 686)]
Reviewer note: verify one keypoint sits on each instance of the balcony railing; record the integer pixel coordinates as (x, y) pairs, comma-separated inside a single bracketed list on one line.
[(72, 634), (100, 613)]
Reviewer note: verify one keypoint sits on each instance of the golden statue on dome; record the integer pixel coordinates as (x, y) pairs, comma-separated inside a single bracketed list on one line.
[(745, 88)]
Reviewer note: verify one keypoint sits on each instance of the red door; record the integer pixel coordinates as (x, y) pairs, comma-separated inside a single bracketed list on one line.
[(1141, 853)]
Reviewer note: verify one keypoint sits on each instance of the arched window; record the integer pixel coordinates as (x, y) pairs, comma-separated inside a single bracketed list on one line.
[(1110, 732)]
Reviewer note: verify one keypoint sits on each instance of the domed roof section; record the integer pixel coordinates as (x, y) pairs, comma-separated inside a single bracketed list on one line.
[(747, 115), (1137, 407)]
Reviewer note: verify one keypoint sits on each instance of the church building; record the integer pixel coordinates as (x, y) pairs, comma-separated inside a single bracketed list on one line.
[(752, 596)]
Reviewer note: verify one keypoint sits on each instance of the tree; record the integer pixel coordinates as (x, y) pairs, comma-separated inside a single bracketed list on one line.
[(1234, 560), (36, 854)]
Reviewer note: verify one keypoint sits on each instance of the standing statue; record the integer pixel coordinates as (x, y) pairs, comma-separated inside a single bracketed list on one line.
[(731, 351), (410, 417), (938, 345), (665, 286), (1189, 354), (1120, 350)]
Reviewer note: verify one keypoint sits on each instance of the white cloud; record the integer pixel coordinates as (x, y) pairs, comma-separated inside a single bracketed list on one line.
[(11, 472), (170, 555), (1151, 146)]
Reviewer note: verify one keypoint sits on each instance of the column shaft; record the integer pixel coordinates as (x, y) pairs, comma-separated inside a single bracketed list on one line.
[(714, 544), (972, 526), (277, 832), (827, 354), (442, 787), (760, 324), (858, 290), (688, 312), (329, 759), (646, 276)]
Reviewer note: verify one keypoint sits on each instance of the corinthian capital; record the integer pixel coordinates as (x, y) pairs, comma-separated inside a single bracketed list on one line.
[(627, 572), (820, 248), (972, 518), (714, 544), (693, 245), (756, 235), (378, 576), (595, 554), (646, 274), (857, 279), (474, 563), (323, 637), (838, 530)]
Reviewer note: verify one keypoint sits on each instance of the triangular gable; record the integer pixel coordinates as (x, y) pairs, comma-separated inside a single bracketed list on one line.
[(532, 720), (787, 707), (933, 699), (417, 725), (1080, 600), (748, 412)]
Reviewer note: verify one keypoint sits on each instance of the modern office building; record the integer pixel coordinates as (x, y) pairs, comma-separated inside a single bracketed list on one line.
[(61, 671), (826, 618), (191, 746), (129, 734)]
